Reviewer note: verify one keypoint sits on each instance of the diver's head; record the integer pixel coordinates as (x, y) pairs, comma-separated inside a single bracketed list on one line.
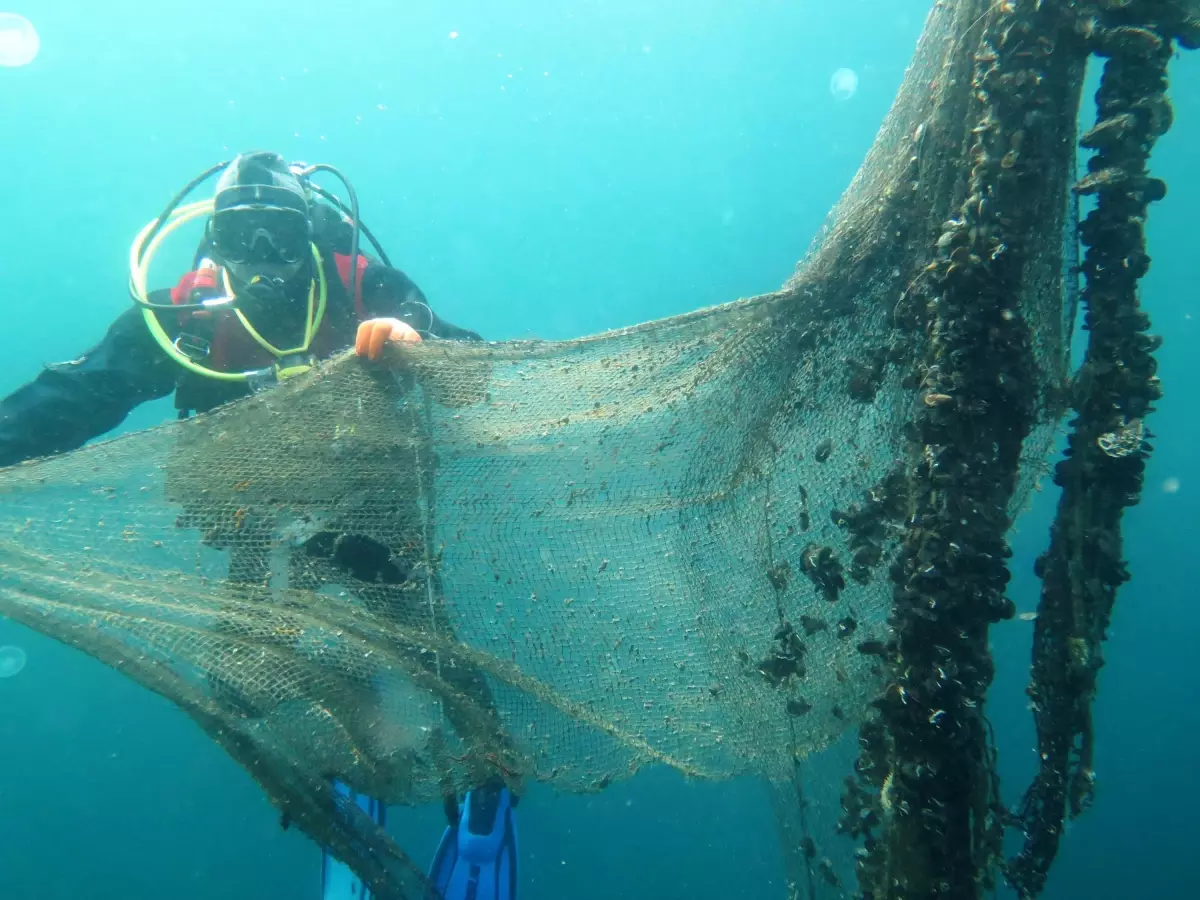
[(261, 225)]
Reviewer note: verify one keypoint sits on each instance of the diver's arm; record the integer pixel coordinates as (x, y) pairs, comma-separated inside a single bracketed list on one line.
[(388, 292), (70, 403)]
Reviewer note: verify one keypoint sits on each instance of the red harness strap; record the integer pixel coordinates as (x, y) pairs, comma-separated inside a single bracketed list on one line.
[(199, 280), (206, 280), (229, 342), (343, 267)]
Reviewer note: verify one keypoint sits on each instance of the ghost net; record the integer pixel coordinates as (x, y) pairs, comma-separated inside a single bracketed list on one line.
[(716, 542)]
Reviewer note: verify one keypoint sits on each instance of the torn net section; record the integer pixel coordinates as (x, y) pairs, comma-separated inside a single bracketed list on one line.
[(542, 561)]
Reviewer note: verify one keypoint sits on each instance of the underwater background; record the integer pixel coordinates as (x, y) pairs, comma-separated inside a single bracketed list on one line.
[(541, 170)]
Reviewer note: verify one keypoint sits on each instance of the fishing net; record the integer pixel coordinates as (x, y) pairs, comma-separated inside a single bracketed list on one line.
[(673, 544)]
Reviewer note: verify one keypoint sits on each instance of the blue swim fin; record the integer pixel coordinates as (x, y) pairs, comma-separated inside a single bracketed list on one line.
[(338, 882), (477, 859)]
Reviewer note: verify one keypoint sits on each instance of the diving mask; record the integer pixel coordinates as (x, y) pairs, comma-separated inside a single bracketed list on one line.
[(270, 240)]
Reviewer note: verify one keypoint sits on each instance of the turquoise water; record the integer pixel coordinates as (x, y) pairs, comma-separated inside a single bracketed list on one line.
[(542, 170)]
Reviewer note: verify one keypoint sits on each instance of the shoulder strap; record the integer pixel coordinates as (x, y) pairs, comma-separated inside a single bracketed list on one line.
[(343, 266)]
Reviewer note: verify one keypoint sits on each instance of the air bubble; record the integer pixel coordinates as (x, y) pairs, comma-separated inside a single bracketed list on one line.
[(843, 84), (19, 43), (12, 661)]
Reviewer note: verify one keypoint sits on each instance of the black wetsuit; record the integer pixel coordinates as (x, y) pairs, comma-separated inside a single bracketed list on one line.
[(70, 403)]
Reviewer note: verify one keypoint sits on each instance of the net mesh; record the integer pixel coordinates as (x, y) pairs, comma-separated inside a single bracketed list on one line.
[(546, 561)]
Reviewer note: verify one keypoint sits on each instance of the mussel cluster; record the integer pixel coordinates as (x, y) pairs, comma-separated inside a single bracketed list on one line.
[(1116, 387), (926, 770), (824, 570), (872, 522)]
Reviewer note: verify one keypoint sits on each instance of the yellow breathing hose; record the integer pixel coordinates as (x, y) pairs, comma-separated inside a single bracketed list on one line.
[(139, 271)]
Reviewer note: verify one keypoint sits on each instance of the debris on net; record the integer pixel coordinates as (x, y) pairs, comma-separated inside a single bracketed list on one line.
[(926, 802), (926, 799), (711, 542)]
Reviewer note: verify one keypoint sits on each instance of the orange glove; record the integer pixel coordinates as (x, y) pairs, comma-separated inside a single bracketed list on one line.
[(374, 333)]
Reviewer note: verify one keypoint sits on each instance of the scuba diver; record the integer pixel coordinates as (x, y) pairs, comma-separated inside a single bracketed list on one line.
[(274, 270), (277, 284)]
